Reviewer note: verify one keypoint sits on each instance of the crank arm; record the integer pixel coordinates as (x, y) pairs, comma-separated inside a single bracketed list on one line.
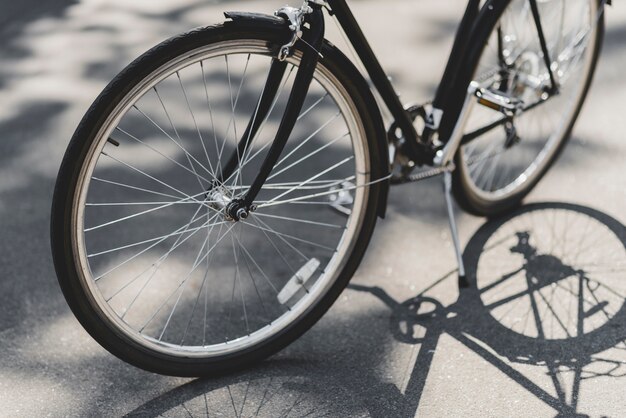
[(467, 138)]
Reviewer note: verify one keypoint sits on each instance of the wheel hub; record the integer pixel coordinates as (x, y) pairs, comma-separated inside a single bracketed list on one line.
[(231, 209)]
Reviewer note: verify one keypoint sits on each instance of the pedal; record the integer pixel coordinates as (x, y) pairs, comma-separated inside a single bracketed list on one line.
[(298, 281), (499, 101)]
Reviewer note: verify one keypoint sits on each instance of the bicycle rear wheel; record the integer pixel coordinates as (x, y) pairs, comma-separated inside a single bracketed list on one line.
[(501, 165), (145, 253)]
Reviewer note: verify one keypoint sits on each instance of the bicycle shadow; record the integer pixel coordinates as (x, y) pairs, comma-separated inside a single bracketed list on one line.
[(517, 309), (521, 264)]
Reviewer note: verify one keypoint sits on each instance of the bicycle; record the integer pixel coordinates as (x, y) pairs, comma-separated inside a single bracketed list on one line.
[(202, 219)]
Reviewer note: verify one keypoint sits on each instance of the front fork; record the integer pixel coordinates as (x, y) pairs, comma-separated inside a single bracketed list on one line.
[(312, 38)]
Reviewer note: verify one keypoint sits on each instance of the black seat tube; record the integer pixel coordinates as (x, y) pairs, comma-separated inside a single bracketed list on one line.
[(454, 66), (313, 39)]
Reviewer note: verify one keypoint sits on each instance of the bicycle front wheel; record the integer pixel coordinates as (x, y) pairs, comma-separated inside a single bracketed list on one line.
[(507, 156), (147, 257)]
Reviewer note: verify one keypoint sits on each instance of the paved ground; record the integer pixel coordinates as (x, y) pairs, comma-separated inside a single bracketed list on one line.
[(400, 342)]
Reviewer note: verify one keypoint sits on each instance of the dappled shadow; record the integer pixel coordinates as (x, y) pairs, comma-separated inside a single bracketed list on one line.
[(56, 57)]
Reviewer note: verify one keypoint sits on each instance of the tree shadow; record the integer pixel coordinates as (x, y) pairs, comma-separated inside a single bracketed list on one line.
[(32, 145)]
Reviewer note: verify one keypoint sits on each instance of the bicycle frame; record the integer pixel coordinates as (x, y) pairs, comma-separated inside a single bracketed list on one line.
[(419, 148), (443, 133), (450, 100), (453, 86)]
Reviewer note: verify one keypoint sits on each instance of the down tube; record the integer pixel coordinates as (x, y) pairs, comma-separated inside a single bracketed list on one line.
[(351, 27)]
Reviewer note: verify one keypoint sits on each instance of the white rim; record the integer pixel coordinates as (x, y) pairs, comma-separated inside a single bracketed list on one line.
[(321, 286), (545, 155)]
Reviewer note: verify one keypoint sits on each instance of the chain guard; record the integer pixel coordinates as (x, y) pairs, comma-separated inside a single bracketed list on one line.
[(401, 164)]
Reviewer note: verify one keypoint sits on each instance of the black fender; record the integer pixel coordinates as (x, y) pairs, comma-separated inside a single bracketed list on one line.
[(335, 55), (256, 20), (332, 53)]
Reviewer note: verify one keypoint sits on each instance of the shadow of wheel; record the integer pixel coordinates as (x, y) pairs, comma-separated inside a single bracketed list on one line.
[(276, 389), (548, 284)]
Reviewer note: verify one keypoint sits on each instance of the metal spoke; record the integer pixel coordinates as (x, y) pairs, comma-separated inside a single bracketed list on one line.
[(197, 262), (320, 174), (306, 157), (292, 237), (249, 158), (262, 204), (307, 139), (180, 202), (204, 279), (179, 142), (248, 142), (146, 249), (313, 185), (134, 138), (233, 107), (128, 186), (201, 287), (125, 218), (182, 288), (313, 106), (237, 278), (280, 254), (193, 117), (147, 175), (256, 289), (173, 234), (301, 221), (260, 222), (246, 252), (206, 91), (156, 265)]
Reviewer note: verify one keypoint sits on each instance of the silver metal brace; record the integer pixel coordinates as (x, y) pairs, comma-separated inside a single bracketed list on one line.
[(446, 156)]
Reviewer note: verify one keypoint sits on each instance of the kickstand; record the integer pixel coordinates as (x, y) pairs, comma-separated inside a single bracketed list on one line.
[(447, 188)]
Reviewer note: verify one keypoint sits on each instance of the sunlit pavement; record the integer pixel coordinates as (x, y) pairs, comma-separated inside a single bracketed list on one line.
[(400, 342)]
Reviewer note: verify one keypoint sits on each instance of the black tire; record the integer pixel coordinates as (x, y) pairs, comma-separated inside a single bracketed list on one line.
[(80, 297), (471, 197)]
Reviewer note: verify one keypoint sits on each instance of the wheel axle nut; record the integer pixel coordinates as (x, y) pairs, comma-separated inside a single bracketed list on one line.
[(242, 213)]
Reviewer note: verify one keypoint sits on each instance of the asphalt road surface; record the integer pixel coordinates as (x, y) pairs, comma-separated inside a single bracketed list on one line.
[(400, 341)]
